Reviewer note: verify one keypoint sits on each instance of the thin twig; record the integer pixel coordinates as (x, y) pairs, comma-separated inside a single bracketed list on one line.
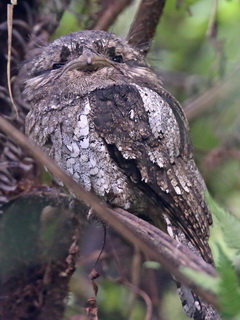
[(108, 14), (133, 286), (102, 247), (212, 25), (135, 277), (10, 24), (144, 295), (203, 102)]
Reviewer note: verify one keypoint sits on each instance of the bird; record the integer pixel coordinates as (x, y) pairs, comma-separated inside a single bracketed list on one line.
[(102, 113)]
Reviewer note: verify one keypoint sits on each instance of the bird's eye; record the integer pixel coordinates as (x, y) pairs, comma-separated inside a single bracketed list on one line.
[(118, 59), (57, 65)]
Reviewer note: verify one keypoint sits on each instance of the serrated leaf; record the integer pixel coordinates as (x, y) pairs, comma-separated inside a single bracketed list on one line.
[(229, 289), (229, 224)]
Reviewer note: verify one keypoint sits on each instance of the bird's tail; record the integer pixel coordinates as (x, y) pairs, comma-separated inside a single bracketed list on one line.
[(194, 306)]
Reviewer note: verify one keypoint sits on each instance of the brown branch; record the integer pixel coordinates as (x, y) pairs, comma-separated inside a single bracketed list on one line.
[(152, 241), (143, 294), (218, 156), (135, 281), (133, 285), (108, 14), (145, 23), (177, 254), (206, 100)]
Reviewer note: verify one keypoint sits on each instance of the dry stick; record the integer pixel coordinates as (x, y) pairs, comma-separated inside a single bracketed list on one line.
[(220, 90), (144, 295), (152, 241), (10, 24), (145, 23), (108, 14), (135, 281), (132, 286), (212, 25)]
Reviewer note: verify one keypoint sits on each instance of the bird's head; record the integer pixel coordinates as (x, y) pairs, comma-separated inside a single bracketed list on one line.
[(87, 60)]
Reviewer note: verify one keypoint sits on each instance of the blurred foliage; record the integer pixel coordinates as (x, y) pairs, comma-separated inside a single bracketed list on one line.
[(196, 45), (229, 290), (227, 245)]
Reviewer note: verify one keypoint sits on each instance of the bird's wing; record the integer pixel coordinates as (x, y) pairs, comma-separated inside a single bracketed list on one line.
[(147, 136)]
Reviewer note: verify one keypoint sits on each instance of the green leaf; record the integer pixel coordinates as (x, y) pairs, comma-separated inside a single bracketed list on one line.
[(229, 290), (152, 265), (229, 224)]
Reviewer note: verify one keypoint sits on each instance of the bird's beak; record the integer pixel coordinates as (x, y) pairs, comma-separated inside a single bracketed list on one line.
[(88, 61)]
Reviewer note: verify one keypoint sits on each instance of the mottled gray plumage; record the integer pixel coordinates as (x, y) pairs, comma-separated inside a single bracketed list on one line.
[(104, 116)]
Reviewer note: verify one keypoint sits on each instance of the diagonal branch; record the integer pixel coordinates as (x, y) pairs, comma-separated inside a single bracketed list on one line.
[(152, 241), (222, 89), (108, 14)]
